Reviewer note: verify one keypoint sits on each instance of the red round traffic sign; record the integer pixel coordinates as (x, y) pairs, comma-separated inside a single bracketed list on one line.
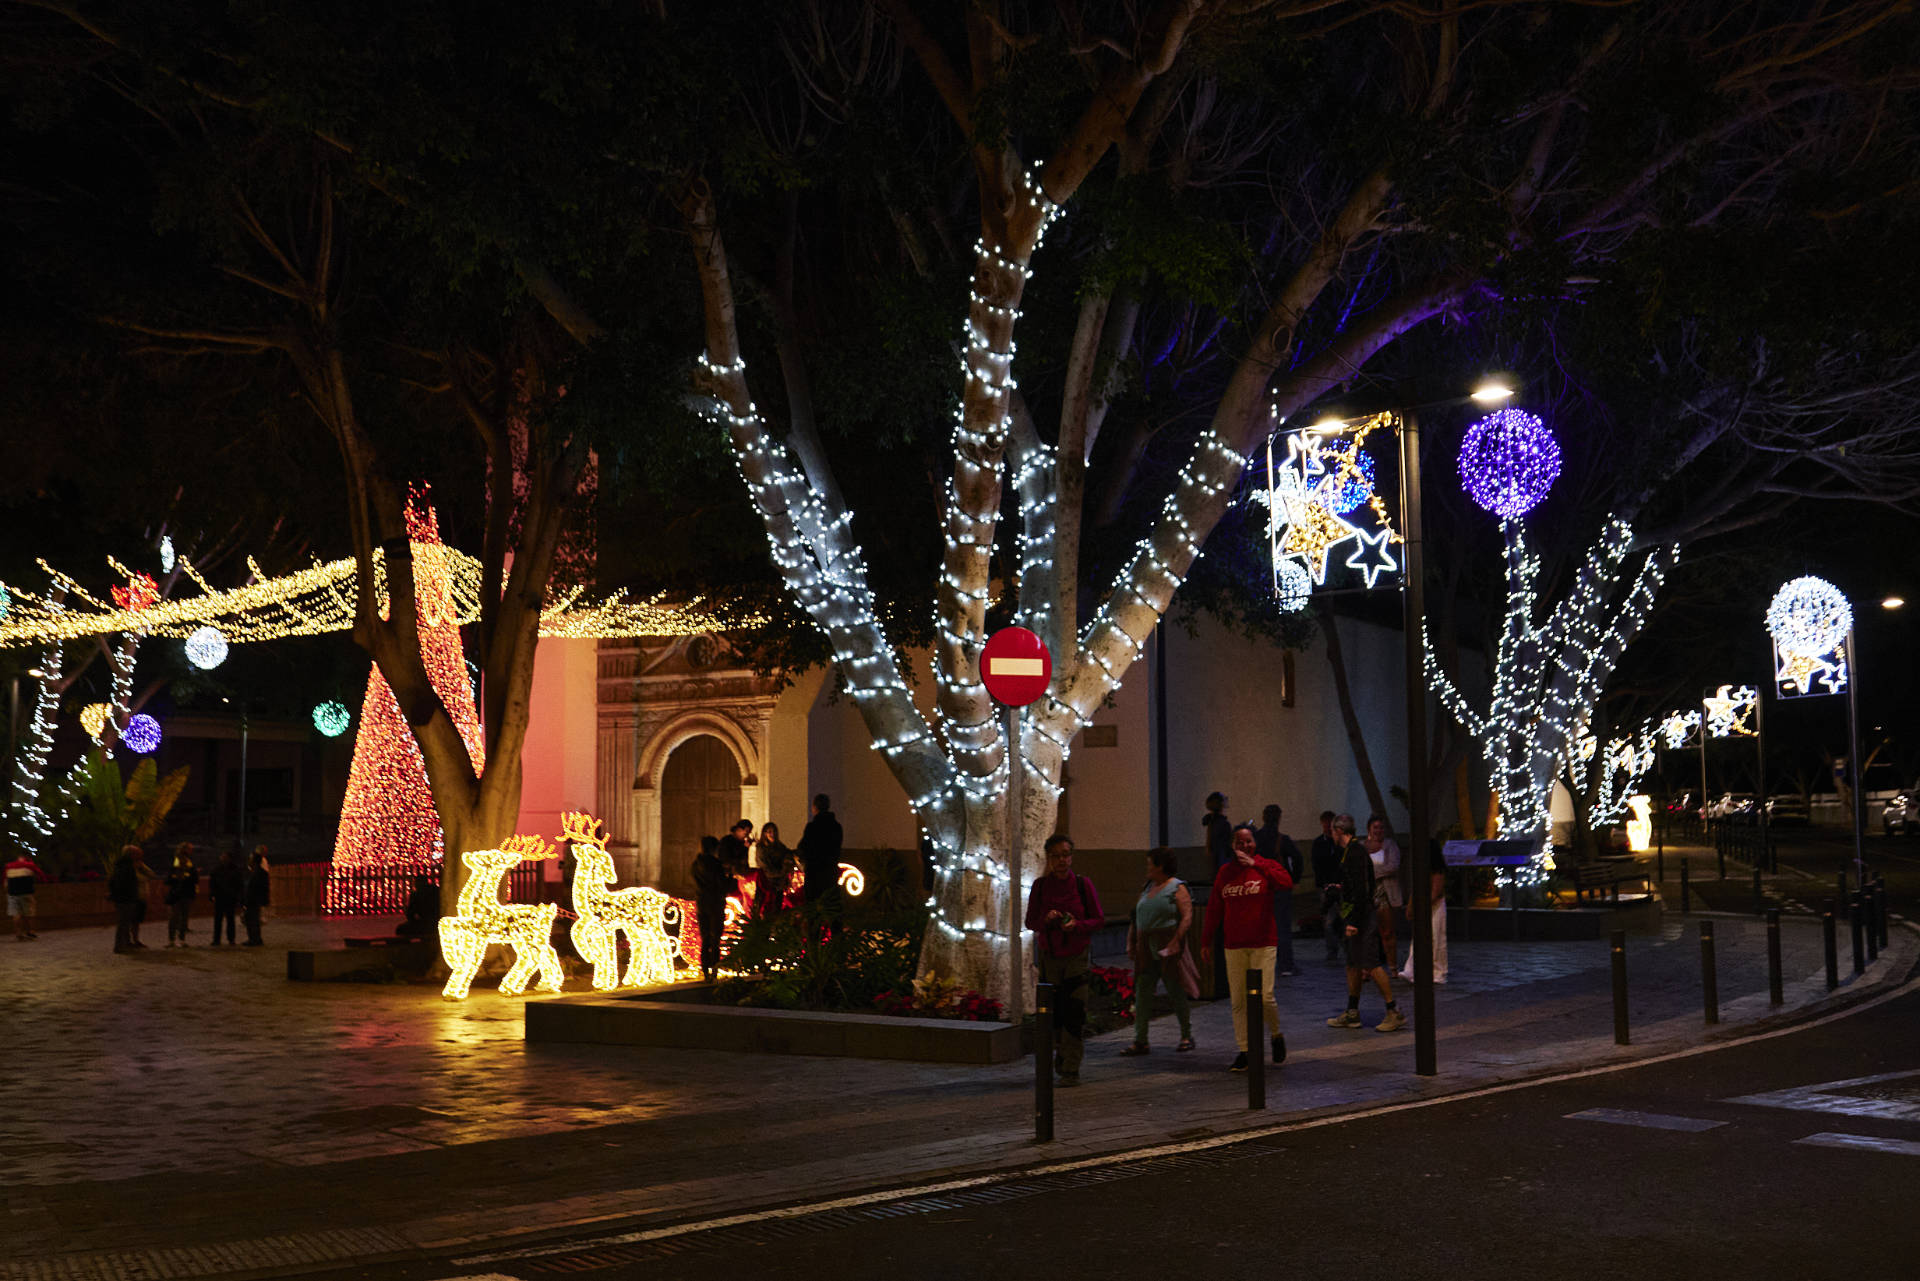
[(1016, 666)]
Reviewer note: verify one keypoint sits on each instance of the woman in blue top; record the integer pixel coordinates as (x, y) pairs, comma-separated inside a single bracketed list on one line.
[(1157, 942)]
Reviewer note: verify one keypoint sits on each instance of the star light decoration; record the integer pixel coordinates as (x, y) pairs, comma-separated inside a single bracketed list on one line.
[(1309, 498), (1677, 727), (142, 734), (1729, 711), (1508, 462), (1811, 623)]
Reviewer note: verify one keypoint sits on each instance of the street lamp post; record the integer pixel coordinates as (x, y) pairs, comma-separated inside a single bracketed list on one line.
[(1414, 605), (1857, 763)]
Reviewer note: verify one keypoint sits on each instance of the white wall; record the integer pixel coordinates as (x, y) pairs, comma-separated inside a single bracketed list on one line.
[(558, 771), (789, 790), (1108, 801), (1228, 731), (870, 804)]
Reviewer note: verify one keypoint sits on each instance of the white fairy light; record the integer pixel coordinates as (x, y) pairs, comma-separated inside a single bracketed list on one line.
[(206, 648), (1809, 617)]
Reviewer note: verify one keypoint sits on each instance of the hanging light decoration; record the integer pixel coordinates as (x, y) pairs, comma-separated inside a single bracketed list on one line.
[(1508, 462), (93, 719), (1295, 586), (1809, 617), (332, 718), (1349, 479), (142, 734), (206, 648), (167, 558)]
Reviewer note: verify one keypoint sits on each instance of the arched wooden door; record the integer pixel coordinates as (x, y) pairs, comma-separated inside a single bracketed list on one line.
[(699, 796)]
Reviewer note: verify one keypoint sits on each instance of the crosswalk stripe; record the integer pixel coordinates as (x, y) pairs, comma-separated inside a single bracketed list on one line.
[(1862, 1143), (1647, 1120)]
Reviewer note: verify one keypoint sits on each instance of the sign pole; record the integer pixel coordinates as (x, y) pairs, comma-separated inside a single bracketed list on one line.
[(1414, 599), (1760, 746), (1857, 763), (1016, 878)]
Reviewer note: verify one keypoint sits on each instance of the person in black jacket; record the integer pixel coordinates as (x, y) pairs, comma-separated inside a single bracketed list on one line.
[(183, 883), (127, 891), (226, 884), (820, 856), (1326, 877), (711, 882), (259, 894)]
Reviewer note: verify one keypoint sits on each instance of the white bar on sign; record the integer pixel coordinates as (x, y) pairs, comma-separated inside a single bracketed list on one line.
[(1014, 667)]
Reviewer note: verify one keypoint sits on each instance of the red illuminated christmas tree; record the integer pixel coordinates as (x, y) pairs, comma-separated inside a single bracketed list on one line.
[(387, 821)]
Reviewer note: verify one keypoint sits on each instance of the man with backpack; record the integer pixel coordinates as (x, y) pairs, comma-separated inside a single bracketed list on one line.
[(1063, 911)]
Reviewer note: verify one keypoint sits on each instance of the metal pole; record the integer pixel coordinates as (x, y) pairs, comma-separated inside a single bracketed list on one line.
[(243, 774), (1256, 1024), (1760, 741), (1857, 764), (1016, 874), (1660, 819), (1709, 979), (1880, 906), (1703, 773), (1414, 600), (13, 740), (1775, 993), (1620, 987), (1759, 894), (1160, 726), (1859, 939), (1686, 887), (1043, 1063), (1872, 927), (1828, 934)]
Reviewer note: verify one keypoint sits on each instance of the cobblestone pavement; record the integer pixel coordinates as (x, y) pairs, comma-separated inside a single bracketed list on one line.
[(177, 1098)]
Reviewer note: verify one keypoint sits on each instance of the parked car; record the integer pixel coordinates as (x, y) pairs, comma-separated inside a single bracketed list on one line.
[(1735, 807), (1681, 803), (1902, 813), (1789, 809)]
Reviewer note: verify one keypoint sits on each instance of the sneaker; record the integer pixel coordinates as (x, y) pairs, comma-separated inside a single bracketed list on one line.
[(1279, 1050), (1068, 1079), (1391, 1021), (1346, 1018), (1239, 1063)]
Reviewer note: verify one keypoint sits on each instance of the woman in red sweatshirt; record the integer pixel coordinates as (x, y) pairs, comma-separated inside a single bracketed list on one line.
[(1239, 917)]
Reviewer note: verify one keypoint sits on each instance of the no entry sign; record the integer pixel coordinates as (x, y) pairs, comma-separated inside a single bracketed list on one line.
[(1016, 666)]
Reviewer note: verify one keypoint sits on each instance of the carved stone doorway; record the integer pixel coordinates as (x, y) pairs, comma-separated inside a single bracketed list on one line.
[(699, 796)]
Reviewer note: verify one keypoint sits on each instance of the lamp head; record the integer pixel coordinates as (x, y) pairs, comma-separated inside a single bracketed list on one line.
[(1493, 391)]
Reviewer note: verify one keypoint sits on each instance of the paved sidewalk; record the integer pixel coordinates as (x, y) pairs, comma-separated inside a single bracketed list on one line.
[(190, 1112)]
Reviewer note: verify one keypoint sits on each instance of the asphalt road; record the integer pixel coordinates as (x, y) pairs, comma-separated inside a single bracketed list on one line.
[(1690, 1177), (1811, 859)]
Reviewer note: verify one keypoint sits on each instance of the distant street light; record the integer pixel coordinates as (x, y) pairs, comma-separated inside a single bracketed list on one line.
[(1492, 392), (1893, 602)]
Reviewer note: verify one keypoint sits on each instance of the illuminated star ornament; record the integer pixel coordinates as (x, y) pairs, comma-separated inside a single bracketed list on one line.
[(1729, 710), (1677, 727), (1811, 623), (1323, 504)]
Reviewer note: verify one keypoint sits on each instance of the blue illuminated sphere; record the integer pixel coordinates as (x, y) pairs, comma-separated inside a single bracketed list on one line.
[(332, 718), (142, 734), (1508, 462), (1340, 492)]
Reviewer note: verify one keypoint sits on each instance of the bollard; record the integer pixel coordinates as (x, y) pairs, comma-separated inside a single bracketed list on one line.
[(1859, 938), (1620, 987), (1776, 991), (1832, 945), (1043, 1063), (1759, 894), (1867, 906), (1256, 1025), (1843, 889), (1709, 980), (1686, 888)]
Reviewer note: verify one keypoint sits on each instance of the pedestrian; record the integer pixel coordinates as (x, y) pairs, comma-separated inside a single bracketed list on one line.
[(226, 885), (1358, 916), (820, 855), (126, 890), (1157, 942), (1063, 911), (1326, 878), (1437, 870), (421, 917), (1239, 919), (774, 857), (1385, 856), (1217, 830), (259, 894), (183, 884), (1272, 843), (734, 848), (23, 878), (710, 883)]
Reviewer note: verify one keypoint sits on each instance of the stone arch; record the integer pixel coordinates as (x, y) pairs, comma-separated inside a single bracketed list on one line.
[(748, 752)]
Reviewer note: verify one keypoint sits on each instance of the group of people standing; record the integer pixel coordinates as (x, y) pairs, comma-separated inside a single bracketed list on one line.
[(767, 875), (233, 890), (1248, 920)]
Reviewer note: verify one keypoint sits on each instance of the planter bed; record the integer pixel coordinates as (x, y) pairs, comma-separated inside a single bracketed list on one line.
[(645, 1019)]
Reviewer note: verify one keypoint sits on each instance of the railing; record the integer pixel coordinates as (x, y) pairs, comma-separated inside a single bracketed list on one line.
[(1741, 841)]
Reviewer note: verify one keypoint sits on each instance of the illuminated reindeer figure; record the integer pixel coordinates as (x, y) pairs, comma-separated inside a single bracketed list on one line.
[(527, 928), (602, 913)]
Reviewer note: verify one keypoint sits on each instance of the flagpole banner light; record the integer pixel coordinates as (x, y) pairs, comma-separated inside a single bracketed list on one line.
[(332, 718), (1678, 727), (1508, 462), (1729, 711), (142, 734), (1811, 623), (206, 648), (1323, 503)]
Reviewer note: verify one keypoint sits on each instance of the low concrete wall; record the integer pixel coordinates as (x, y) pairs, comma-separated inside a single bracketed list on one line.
[(636, 1020), (332, 965)]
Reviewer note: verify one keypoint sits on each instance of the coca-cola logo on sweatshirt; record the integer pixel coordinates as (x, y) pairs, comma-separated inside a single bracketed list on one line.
[(1252, 885)]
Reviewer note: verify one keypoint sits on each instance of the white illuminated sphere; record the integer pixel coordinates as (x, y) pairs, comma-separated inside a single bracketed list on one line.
[(1809, 617), (206, 648), (1294, 587)]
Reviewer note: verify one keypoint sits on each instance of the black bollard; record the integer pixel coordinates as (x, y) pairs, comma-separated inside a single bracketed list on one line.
[(1859, 936), (1709, 979), (1043, 1063), (1686, 888), (1256, 1024), (1759, 894), (1867, 905), (1776, 992), (1843, 889), (1832, 944), (1620, 987)]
